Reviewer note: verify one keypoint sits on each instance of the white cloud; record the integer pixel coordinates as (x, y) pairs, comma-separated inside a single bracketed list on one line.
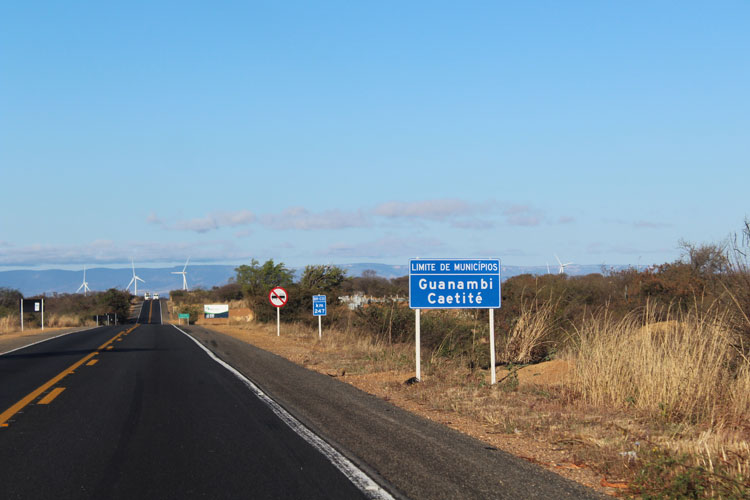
[(211, 222), (385, 247), (302, 219), (109, 252), (651, 224), (429, 209)]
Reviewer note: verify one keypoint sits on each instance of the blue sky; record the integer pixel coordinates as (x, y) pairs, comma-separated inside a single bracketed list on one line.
[(316, 132)]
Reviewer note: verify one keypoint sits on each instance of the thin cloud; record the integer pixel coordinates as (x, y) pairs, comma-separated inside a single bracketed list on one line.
[(651, 224), (110, 252), (598, 248), (472, 224), (429, 209), (644, 224), (523, 220), (302, 219), (385, 247), (211, 222)]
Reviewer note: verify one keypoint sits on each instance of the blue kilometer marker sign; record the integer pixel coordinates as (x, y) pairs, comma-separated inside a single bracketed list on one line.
[(319, 305), (454, 283)]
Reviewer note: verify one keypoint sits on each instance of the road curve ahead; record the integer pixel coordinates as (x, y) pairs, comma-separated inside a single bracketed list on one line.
[(142, 411)]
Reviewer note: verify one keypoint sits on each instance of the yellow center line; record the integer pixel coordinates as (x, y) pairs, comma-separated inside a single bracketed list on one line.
[(20, 405), (92, 362), (52, 395), (150, 308)]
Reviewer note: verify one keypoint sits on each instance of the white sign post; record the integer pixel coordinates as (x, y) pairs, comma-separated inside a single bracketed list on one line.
[(455, 284), (278, 298)]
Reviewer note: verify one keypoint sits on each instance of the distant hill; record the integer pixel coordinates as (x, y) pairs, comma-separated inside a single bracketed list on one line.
[(33, 282), (101, 278)]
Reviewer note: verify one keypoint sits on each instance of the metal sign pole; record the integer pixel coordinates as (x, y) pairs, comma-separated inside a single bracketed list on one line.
[(417, 335), (21, 314), (42, 314), (278, 321), (320, 327), (493, 376)]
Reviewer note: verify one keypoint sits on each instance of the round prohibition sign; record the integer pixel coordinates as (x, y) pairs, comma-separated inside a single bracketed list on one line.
[(278, 297)]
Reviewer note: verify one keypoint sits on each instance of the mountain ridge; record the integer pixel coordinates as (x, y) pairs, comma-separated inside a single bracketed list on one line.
[(161, 280)]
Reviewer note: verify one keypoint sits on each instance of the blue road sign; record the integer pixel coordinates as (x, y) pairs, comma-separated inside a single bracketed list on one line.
[(319, 305), (454, 283)]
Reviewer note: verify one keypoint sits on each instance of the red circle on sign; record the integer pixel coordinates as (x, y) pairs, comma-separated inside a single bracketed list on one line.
[(278, 297)]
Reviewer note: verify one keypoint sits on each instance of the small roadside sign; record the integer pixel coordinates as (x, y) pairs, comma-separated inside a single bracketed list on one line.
[(319, 305), (184, 316), (278, 297)]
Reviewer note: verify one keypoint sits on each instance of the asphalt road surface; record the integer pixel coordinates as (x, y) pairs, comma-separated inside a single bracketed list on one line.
[(143, 412), (153, 411)]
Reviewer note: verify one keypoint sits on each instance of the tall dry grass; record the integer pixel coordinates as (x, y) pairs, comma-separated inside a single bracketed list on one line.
[(530, 333), (9, 323), (689, 368)]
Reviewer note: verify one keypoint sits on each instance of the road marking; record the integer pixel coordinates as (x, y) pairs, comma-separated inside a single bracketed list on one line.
[(52, 395), (26, 400), (109, 348), (150, 308), (92, 362), (357, 476)]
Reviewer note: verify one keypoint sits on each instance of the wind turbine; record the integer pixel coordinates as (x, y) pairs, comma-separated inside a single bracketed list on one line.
[(562, 266), (184, 275), (85, 284), (134, 280)]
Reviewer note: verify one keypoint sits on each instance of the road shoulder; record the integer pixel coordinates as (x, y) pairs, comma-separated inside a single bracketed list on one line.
[(14, 341), (420, 458)]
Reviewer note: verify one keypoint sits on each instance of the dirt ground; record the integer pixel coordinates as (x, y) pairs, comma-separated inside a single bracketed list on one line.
[(387, 381)]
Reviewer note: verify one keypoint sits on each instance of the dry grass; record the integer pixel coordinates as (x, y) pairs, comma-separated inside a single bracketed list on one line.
[(11, 323), (531, 331), (686, 370)]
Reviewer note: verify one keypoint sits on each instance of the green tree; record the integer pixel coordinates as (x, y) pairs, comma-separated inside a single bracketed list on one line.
[(116, 301), (257, 279), (322, 278), (9, 300)]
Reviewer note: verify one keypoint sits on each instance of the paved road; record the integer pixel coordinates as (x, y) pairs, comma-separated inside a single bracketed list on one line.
[(141, 411)]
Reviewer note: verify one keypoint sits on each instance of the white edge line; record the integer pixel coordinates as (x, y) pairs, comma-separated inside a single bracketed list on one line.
[(45, 340), (370, 488)]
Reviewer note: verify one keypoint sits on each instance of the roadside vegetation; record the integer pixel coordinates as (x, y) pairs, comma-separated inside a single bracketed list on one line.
[(62, 310), (654, 389)]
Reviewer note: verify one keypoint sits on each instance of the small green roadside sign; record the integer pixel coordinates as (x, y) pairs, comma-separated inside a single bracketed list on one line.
[(184, 316)]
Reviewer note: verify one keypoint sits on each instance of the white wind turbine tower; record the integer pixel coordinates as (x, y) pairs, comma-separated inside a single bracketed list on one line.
[(134, 280), (562, 266), (184, 274), (85, 284)]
